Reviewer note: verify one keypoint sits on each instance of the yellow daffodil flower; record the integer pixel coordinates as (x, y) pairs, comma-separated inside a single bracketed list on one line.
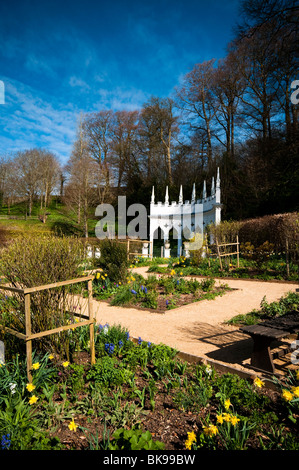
[(234, 420), (36, 365), (191, 438), (227, 404), (65, 364), (33, 400), (210, 430), (295, 391), (258, 382), (73, 426), (287, 395), (30, 387)]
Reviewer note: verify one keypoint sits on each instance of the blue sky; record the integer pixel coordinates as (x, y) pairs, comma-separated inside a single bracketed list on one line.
[(61, 58)]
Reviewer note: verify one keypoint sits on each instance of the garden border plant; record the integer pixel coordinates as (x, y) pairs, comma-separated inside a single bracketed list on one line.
[(145, 398), (28, 337)]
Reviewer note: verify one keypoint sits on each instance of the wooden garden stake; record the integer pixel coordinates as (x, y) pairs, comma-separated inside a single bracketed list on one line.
[(28, 335), (91, 326)]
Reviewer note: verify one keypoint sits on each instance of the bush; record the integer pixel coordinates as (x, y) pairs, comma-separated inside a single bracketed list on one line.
[(32, 262), (114, 260)]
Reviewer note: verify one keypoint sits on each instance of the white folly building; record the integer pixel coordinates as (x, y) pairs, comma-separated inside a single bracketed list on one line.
[(184, 219)]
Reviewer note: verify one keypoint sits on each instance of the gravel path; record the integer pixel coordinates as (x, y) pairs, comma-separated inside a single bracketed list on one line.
[(198, 328)]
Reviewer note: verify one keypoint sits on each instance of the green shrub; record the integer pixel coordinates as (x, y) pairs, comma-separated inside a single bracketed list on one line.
[(105, 372), (32, 262), (114, 259), (134, 439)]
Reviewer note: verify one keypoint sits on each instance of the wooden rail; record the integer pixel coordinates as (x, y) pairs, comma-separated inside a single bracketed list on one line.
[(28, 337)]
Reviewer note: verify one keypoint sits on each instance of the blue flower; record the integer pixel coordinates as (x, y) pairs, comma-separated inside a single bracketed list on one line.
[(120, 343), (5, 442), (141, 287), (139, 340), (145, 290), (109, 348), (167, 302), (133, 291), (127, 336), (149, 344)]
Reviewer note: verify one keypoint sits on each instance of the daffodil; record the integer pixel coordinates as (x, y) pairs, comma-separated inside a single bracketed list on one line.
[(258, 382), (287, 395), (33, 399), (65, 364), (36, 366), (30, 387), (191, 438), (227, 404), (73, 426), (220, 419), (210, 430), (295, 391), (234, 420), (51, 357), (226, 417)]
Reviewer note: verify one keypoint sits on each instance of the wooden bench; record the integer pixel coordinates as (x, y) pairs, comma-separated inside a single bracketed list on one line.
[(263, 336)]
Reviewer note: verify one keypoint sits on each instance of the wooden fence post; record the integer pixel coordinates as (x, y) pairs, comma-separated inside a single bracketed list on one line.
[(28, 334), (91, 326), (219, 254), (238, 253)]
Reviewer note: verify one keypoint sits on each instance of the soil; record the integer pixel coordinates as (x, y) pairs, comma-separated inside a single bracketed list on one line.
[(167, 422)]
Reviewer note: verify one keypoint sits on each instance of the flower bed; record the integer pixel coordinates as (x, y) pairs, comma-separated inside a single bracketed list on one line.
[(274, 268), (141, 396), (156, 293)]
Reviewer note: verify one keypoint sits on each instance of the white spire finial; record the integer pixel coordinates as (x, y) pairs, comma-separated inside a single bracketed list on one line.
[(213, 187), (181, 195), (166, 196), (204, 191), (153, 196), (218, 179), (193, 193)]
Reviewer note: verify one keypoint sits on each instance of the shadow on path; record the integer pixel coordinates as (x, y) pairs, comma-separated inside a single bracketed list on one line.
[(232, 346)]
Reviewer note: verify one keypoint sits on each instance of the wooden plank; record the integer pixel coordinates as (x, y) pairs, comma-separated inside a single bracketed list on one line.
[(15, 333), (12, 289), (264, 331), (57, 330), (57, 284), (229, 254), (229, 244)]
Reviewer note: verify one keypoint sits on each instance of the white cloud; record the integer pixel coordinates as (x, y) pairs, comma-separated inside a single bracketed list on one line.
[(27, 121)]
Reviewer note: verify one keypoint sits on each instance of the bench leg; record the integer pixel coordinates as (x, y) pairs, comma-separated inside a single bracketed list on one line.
[(261, 357)]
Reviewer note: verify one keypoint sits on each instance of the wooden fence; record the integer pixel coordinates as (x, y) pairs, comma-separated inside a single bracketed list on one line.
[(28, 337), (225, 245)]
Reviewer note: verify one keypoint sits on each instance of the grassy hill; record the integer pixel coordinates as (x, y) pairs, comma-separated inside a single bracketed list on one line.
[(60, 219)]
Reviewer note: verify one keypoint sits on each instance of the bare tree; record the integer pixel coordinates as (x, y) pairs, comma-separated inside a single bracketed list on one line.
[(28, 170), (49, 176), (195, 97), (162, 127), (83, 170)]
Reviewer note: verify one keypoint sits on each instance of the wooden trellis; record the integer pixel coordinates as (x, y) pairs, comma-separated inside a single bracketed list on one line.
[(136, 253), (28, 337), (220, 255)]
